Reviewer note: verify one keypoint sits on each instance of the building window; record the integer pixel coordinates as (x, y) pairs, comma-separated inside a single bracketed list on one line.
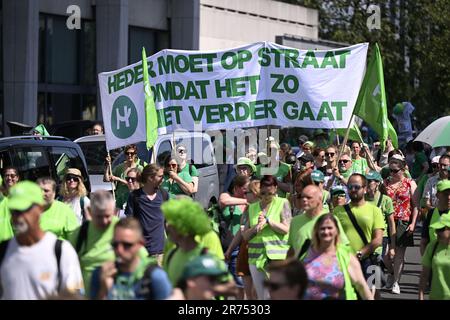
[(152, 40), (67, 70)]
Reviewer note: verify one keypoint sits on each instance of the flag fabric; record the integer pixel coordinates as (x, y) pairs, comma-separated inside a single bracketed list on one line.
[(371, 103), (354, 133), (151, 119)]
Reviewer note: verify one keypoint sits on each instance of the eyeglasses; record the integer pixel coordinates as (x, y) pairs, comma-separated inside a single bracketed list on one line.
[(344, 161), (126, 245), (356, 187), (181, 151), (10, 175), (266, 193), (130, 153), (19, 212), (330, 154), (131, 179), (72, 178), (273, 286)]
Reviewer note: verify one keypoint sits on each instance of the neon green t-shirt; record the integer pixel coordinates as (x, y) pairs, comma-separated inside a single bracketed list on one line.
[(174, 189), (235, 223), (440, 265), (386, 206), (301, 228), (177, 262), (59, 219), (369, 218), (6, 230), (95, 251), (359, 165)]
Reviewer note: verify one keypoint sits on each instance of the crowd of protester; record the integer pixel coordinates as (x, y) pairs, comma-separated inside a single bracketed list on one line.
[(325, 222)]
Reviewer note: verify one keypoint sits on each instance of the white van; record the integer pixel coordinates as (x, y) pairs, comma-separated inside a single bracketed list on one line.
[(200, 153)]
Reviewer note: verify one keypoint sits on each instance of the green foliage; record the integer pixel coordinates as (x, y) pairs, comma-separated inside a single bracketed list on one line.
[(414, 40)]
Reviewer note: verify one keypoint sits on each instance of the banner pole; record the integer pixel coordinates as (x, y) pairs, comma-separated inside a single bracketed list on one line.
[(110, 171), (347, 132)]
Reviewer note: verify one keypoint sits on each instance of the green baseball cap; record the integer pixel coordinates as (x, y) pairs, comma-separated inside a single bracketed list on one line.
[(243, 161), (337, 189), (444, 221), (317, 176), (443, 185), (204, 265), (24, 194), (374, 175)]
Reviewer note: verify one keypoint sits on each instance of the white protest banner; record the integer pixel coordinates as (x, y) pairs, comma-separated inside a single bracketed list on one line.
[(254, 85)]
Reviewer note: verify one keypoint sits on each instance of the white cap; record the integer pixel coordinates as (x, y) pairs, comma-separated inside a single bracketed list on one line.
[(435, 159), (398, 157)]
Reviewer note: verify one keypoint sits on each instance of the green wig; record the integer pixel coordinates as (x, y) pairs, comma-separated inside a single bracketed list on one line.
[(186, 216)]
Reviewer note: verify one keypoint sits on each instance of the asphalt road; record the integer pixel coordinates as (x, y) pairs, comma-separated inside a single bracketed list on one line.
[(409, 281)]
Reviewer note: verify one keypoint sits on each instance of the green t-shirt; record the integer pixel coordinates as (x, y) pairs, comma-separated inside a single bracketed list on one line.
[(177, 262), (194, 171), (369, 218), (211, 241), (359, 165), (419, 159), (235, 223), (301, 229), (440, 265), (59, 219), (95, 251), (174, 189), (122, 191), (6, 230), (386, 206), (325, 198)]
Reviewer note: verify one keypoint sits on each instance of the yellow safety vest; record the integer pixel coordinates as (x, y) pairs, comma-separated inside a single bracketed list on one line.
[(267, 244)]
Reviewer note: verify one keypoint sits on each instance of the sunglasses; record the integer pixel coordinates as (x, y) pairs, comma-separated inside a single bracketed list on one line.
[(10, 175), (181, 151), (356, 187), (242, 168), (172, 165), (130, 153), (126, 245), (330, 154), (344, 161), (131, 179), (19, 212), (273, 286), (339, 195), (442, 165), (72, 178), (267, 194)]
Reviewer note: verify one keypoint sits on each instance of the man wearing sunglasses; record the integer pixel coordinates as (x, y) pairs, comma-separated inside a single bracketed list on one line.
[(130, 276), (181, 157), (429, 192), (34, 264), (368, 217)]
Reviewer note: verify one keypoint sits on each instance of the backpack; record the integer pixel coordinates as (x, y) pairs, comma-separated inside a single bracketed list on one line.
[(82, 237), (57, 252), (221, 225)]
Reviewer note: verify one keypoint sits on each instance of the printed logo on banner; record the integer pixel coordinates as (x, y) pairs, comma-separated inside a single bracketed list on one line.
[(124, 119)]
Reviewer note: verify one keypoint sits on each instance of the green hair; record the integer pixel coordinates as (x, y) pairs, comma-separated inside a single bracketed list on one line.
[(186, 216)]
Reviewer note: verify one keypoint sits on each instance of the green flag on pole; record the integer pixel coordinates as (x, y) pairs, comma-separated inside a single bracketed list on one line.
[(151, 119), (354, 133), (371, 103)]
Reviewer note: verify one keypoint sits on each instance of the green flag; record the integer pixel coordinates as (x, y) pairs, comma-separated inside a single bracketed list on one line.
[(354, 133), (151, 119), (371, 103)]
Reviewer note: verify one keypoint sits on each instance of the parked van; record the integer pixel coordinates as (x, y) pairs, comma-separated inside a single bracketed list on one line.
[(200, 153), (37, 157)]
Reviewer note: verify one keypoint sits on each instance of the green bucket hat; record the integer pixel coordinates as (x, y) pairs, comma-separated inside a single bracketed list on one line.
[(443, 185), (337, 190), (444, 221), (23, 195), (374, 175), (243, 161), (204, 265)]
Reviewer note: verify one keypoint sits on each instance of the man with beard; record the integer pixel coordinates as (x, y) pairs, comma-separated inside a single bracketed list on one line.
[(35, 264), (361, 219)]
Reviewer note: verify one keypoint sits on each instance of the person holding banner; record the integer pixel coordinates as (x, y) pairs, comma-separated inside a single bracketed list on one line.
[(119, 173)]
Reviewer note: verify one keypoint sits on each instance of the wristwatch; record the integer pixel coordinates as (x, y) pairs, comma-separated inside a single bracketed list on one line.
[(359, 255)]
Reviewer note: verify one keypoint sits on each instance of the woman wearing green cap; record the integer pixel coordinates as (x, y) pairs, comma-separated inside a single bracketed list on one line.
[(436, 261)]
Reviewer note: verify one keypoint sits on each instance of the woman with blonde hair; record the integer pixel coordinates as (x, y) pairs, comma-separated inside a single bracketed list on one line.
[(74, 193), (333, 272)]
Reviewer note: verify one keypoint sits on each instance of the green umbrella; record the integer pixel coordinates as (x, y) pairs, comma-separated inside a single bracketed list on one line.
[(437, 134)]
